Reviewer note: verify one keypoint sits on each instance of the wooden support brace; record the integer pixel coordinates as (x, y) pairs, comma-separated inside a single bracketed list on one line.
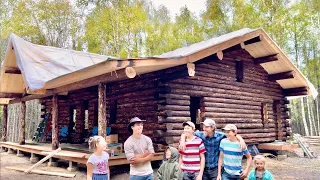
[(130, 72), (191, 69), (254, 40), (282, 75), (266, 59), (220, 55), (43, 160)]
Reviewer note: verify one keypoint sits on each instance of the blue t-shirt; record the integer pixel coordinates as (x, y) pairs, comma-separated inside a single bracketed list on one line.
[(100, 163), (232, 157)]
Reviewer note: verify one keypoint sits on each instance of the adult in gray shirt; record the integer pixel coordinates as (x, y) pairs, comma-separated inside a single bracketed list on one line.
[(139, 151)]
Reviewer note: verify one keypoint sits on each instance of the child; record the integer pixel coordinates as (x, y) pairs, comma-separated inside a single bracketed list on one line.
[(97, 165), (192, 160), (231, 156), (260, 173), (170, 169)]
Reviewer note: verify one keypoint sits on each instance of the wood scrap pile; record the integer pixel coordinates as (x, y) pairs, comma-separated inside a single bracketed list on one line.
[(312, 140)]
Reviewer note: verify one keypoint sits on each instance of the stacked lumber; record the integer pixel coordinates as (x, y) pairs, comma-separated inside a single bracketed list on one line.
[(312, 140)]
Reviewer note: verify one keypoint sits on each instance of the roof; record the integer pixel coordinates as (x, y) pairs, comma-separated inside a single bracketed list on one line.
[(46, 68)]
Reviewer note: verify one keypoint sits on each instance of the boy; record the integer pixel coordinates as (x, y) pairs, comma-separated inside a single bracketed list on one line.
[(192, 158), (231, 156), (260, 173), (170, 169)]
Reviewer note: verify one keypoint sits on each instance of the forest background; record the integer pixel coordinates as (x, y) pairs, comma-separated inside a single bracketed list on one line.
[(139, 28)]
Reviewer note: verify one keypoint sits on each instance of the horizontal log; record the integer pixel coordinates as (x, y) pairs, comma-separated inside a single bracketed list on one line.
[(169, 133), (254, 40), (174, 126), (230, 110), (266, 59), (282, 75), (260, 135), (234, 48), (228, 115), (173, 108), (10, 95), (170, 113), (242, 125), (235, 102), (236, 120), (172, 139), (174, 102), (171, 96), (259, 140), (137, 104), (258, 130), (173, 119), (301, 93), (226, 105)]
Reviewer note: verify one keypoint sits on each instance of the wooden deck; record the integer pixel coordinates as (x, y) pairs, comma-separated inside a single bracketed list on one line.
[(280, 146), (69, 155)]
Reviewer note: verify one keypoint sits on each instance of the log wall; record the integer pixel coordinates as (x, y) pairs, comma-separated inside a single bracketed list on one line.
[(256, 105)]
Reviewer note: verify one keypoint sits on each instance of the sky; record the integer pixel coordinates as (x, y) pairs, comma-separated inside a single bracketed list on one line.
[(174, 6)]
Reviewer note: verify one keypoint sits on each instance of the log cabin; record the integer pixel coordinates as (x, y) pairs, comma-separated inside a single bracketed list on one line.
[(241, 77)]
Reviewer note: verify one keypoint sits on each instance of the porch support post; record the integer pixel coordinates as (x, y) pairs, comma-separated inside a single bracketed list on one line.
[(22, 123), (4, 123), (55, 115), (102, 123)]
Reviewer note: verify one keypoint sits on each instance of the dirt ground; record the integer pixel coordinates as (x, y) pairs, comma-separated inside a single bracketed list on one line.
[(292, 168)]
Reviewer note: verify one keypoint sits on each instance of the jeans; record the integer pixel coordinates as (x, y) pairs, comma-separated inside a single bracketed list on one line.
[(99, 176), (226, 176), (190, 175), (210, 173), (146, 177)]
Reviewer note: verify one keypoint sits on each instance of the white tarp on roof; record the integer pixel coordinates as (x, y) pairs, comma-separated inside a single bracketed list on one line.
[(193, 48), (40, 64)]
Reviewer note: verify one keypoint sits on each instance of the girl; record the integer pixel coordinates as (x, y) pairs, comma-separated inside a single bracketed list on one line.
[(97, 165), (260, 173)]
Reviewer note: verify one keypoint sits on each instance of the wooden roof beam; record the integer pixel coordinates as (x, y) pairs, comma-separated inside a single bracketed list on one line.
[(10, 95), (266, 59), (300, 93), (12, 70), (282, 76), (294, 90), (254, 40), (234, 48)]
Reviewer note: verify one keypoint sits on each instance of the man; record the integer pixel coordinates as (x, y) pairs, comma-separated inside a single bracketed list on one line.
[(192, 158), (211, 140), (139, 151)]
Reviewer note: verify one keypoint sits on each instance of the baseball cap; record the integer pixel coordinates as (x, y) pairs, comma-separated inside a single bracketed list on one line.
[(132, 121), (209, 122), (229, 127), (189, 123)]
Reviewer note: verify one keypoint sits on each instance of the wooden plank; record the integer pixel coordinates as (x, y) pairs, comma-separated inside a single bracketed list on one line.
[(10, 95), (279, 147), (281, 76), (22, 123), (42, 160), (256, 39), (293, 90), (4, 123), (102, 120), (51, 173), (266, 59), (55, 116)]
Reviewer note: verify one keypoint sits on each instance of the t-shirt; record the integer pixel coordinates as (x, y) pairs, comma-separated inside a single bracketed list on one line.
[(253, 175), (191, 155), (133, 147), (100, 163), (232, 156)]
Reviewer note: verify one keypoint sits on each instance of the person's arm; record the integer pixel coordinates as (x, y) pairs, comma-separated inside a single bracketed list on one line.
[(89, 171), (244, 173), (202, 164), (146, 156), (108, 172), (159, 172), (220, 165), (182, 143), (241, 142)]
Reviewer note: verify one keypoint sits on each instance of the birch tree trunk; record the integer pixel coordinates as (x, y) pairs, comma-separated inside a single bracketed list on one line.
[(310, 118), (318, 118), (305, 125)]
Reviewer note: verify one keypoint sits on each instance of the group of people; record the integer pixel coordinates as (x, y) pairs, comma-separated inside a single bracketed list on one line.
[(203, 155)]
